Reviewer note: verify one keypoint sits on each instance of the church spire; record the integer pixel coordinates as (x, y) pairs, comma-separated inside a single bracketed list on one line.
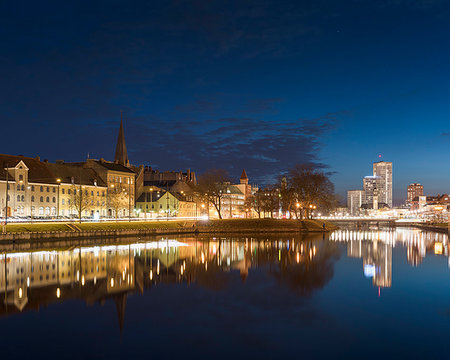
[(244, 178), (121, 149)]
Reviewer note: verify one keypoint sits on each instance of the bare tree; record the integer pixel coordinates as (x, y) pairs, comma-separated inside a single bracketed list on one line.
[(117, 198), (270, 200), (310, 188), (80, 200), (212, 186)]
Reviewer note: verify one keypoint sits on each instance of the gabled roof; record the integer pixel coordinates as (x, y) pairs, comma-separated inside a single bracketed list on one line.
[(38, 171), (67, 172), (234, 190), (115, 167)]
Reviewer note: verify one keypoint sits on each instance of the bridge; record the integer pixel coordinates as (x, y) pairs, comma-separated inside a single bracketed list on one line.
[(364, 222)]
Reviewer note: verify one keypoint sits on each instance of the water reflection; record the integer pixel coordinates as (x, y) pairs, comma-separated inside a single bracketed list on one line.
[(29, 280), (300, 264), (375, 248)]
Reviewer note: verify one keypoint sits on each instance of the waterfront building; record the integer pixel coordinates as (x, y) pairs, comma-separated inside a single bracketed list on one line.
[(370, 189), (39, 189), (382, 170), (233, 203), (156, 202), (413, 191), (355, 199), (79, 190), (31, 188), (173, 181)]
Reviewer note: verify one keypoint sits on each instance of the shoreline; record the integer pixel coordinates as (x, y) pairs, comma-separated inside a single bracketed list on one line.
[(145, 229)]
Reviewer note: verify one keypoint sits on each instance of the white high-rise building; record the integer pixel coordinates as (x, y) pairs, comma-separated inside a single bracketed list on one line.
[(383, 172), (369, 185), (355, 199)]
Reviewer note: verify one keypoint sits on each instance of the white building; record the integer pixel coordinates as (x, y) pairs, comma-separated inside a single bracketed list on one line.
[(383, 171), (355, 199)]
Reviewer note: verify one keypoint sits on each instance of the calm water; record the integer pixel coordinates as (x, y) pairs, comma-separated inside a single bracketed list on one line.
[(352, 294)]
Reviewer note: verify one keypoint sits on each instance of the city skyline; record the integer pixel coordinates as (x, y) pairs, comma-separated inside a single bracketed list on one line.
[(252, 86)]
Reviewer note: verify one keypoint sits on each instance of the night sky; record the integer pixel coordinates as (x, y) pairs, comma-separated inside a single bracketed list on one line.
[(232, 84)]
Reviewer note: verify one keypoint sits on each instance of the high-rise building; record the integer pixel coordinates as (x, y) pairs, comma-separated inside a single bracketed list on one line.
[(414, 190), (355, 199), (383, 171), (370, 184)]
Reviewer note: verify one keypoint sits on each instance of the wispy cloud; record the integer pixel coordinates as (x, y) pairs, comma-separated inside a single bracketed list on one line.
[(264, 147)]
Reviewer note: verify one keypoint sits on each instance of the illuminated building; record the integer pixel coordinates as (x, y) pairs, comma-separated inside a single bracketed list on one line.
[(159, 203), (413, 191), (382, 170), (355, 199)]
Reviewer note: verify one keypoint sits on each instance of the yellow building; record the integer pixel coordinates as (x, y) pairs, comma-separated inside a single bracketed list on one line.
[(155, 202)]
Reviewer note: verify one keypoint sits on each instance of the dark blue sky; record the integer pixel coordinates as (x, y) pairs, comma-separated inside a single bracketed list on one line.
[(255, 84)]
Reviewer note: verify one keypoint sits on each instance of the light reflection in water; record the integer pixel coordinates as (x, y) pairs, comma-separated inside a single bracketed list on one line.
[(302, 263), (375, 248)]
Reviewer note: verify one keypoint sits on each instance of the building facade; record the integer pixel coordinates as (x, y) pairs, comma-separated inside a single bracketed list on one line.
[(355, 199), (413, 191), (155, 202), (383, 171)]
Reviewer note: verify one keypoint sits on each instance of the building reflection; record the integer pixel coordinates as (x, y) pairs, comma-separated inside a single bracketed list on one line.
[(375, 248), (95, 274)]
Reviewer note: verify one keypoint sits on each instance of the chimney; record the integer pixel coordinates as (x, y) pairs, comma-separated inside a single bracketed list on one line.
[(38, 158)]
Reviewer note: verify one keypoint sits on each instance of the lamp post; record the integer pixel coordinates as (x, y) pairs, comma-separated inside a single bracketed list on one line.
[(107, 191), (129, 199), (7, 195), (151, 200), (31, 206), (59, 185)]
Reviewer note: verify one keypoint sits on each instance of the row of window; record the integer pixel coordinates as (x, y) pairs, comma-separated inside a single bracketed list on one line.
[(126, 180), (63, 202), (21, 187)]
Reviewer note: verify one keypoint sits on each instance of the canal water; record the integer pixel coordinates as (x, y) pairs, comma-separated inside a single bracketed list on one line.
[(349, 294)]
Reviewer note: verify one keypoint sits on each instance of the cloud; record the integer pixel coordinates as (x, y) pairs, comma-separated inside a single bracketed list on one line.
[(264, 147)]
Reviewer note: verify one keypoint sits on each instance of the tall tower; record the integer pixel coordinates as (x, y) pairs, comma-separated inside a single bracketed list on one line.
[(244, 178), (121, 149), (383, 171)]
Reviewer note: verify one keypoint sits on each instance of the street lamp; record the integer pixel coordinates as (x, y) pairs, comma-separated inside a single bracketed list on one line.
[(107, 204), (59, 185)]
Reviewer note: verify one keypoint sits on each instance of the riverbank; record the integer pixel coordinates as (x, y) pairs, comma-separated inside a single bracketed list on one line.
[(49, 231), (440, 228)]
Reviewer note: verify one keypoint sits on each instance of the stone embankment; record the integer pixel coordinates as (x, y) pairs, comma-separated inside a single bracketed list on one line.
[(46, 232)]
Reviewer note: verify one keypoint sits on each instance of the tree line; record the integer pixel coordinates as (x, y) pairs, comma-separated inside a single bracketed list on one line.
[(304, 189)]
